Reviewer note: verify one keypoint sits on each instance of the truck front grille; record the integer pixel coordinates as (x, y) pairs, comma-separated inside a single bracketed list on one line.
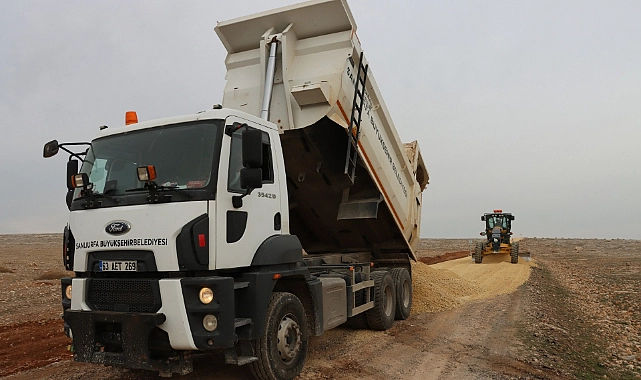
[(123, 295)]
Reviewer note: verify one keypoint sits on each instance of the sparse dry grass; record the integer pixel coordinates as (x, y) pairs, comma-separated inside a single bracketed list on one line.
[(54, 275), (4, 269)]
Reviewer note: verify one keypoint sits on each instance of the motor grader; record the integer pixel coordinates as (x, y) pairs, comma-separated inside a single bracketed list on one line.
[(498, 226)]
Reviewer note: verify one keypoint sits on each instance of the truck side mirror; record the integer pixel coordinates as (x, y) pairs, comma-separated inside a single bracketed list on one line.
[(252, 148), (69, 198), (72, 170), (511, 217), (50, 149), (482, 218), (251, 175), (251, 178)]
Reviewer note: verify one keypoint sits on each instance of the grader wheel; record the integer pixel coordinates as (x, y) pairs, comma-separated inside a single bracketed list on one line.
[(478, 252), (514, 253)]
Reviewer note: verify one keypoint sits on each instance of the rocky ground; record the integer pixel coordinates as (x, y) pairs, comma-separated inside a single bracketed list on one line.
[(577, 316), (583, 313)]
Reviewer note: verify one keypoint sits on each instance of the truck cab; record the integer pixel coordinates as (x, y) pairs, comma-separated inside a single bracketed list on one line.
[(197, 161)]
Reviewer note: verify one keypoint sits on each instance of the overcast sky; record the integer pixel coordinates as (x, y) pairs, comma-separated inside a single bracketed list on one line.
[(533, 107)]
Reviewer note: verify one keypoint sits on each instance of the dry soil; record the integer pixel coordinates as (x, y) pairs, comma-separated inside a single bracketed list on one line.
[(572, 312)]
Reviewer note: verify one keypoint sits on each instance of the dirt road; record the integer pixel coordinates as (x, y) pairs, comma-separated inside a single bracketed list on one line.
[(470, 321)]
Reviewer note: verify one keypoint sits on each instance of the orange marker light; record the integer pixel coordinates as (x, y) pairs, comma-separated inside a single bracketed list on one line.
[(131, 117), (277, 276), (74, 183), (146, 173), (79, 180), (498, 210), (152, 172)]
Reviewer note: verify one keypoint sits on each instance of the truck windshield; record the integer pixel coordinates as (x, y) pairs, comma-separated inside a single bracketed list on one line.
[(183, 155)]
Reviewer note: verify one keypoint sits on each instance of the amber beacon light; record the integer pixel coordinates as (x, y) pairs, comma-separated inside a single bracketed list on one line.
[(131, 117)]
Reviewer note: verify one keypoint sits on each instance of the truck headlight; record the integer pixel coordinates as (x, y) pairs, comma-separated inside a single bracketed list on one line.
[(206, 295), (210, 322), (68, 292)]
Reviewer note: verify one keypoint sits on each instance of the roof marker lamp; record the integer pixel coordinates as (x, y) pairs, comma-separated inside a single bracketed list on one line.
[(146, 173)]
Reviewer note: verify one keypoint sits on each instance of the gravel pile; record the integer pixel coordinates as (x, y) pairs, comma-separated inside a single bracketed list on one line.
[(436, 290)]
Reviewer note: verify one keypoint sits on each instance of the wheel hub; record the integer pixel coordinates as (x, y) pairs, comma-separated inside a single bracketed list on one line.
[(289, 339), (387, 301), (406, 294)]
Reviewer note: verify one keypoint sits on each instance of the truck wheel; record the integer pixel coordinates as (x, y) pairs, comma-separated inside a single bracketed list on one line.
[(514, 253), (282, 348), (403, 285), (381, 316), (478, 252), (358, 322)]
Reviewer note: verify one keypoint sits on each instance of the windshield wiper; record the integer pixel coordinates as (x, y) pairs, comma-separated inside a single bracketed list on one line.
[(154, 189), (158, 187), (94, 200), (106, 196)]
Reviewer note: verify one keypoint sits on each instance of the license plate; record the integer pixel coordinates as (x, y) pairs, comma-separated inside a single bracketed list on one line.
[(117, 266)]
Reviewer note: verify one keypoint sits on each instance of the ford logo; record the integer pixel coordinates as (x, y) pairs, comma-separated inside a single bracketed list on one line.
[(117, 228)]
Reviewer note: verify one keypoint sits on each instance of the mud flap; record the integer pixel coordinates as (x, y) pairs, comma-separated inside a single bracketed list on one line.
[(119, 339)]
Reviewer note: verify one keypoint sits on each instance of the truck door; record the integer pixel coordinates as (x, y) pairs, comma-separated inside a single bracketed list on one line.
[(242, 230)]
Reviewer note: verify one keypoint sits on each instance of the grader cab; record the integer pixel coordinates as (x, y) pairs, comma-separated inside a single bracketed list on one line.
[(498, 231)]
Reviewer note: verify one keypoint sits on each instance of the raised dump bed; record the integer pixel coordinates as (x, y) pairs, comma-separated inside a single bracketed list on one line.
[(353, 186)]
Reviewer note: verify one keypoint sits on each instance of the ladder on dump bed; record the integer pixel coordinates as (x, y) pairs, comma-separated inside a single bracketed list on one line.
[(355, 119)]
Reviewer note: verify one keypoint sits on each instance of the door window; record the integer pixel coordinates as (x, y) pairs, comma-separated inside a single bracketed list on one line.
[(236, 160)]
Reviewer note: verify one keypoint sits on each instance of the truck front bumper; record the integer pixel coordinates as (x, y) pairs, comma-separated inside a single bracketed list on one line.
[(121, 339)]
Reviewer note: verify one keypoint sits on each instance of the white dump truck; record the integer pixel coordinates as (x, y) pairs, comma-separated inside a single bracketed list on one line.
[(290, 209)]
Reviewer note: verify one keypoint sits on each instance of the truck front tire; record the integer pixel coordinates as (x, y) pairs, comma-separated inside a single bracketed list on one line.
[(381, 316), (282, 349)]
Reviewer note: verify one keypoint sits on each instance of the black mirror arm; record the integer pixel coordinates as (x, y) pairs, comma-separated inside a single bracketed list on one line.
[(73, 154), (230, 129), (237, 200)]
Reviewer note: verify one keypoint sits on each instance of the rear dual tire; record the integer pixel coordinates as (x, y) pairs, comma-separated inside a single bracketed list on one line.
[(381, 316), (403, 284)]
